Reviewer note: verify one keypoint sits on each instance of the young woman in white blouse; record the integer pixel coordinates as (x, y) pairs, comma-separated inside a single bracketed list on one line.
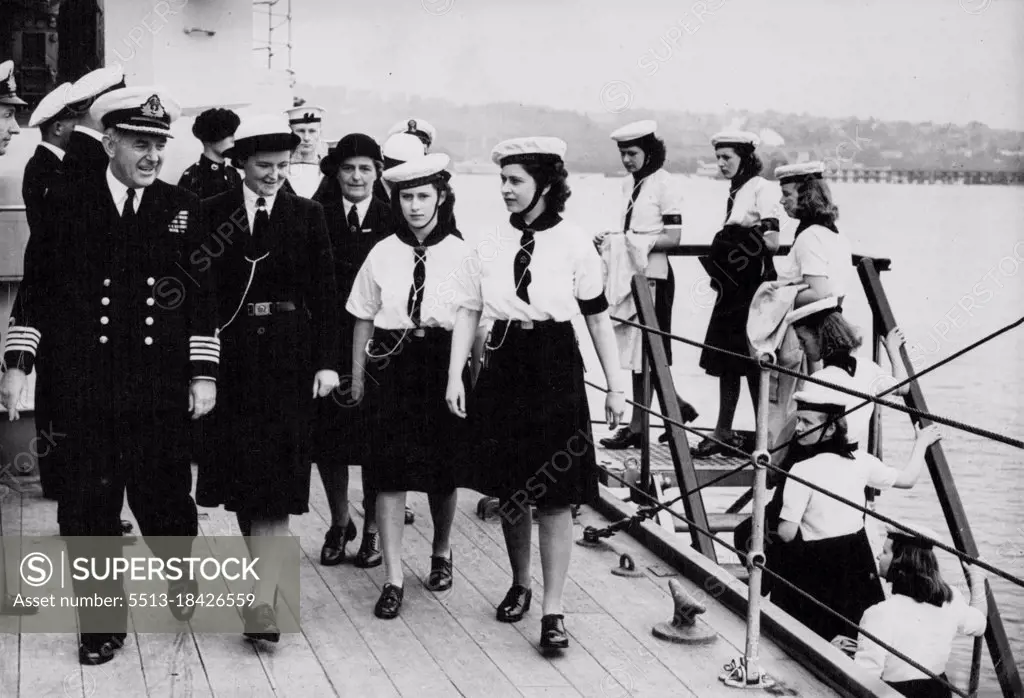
[(827, 553), (921, 618), (405, 299), (528, 416)]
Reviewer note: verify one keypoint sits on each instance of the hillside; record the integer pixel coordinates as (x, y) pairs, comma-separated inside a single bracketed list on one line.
[(469, 132)]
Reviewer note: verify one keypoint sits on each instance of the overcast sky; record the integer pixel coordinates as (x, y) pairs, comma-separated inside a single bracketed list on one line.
[(919, 60)]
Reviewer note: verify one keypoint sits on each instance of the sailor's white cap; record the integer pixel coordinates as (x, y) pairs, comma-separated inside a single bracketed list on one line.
[(829, 304), (921, 536), (306, 114), (51, 106), (402, 147), (730, 138), (529, 149), (421, 128), (8, 86), (266, 133), (420, 171), (91, 85), (634, 131), (146, 109), (802, 170), (821, 399)]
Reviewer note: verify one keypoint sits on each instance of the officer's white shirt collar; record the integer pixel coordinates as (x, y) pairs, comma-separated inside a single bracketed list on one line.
[(361, 208), (59, 152), (119, 192), (249, 197), (90, 132)]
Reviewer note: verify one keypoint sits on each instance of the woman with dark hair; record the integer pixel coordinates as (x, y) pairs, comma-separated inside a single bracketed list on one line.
[(740, 259), (356, 221), (652, 205), (827, 553), (405, 298), (921, 618), (528, 415)]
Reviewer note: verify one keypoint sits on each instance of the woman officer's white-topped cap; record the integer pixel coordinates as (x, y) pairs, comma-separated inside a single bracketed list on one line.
[(420, 171), (800, 171), (731, 138), (634, 131), (400, 148), (531, 149), (263, 133)]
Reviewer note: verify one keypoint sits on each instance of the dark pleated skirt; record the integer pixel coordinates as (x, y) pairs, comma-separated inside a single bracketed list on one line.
[(839, 572), (411, 434), (528, 421), (339, 428), (664, 298), (923, 688)]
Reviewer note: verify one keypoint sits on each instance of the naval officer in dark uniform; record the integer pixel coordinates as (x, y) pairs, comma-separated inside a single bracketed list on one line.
[(212, 174), (132, 351), (86, 155), (278, 324)]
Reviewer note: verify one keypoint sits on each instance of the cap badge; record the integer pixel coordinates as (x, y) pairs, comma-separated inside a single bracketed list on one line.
[(153, 109), (412, 125)]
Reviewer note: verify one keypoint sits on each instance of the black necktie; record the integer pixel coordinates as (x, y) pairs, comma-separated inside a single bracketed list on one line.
[(353, 219), (128, 212), (521, 265), (260, 226), (419, 280), (629, 208)]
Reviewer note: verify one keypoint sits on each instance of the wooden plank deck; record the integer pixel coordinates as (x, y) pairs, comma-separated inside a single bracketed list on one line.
[(444, 644)]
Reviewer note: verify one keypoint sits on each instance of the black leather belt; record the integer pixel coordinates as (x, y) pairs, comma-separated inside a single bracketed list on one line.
[(270, 308)]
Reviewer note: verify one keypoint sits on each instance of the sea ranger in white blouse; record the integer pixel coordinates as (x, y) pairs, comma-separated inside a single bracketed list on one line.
[(827, 553), (528, 416), (406, 295), (652, 205)]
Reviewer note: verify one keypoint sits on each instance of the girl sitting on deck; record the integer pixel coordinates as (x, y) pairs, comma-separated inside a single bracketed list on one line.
[(921, 618)]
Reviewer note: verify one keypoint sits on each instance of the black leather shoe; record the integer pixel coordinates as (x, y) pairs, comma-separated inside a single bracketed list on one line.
[(369, 554), (409, 517), (333, 552), (515, 604), (689, 414), (126, 527), (182, 607), (260, 623), (440, 577), (552, 632), (390, 601), (99, 648), (707, 448), (624, 438)]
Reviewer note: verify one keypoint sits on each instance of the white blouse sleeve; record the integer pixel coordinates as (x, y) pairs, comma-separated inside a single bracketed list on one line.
[(809, 252), (364, 300), (766, 201), (795, 498), (588, 272), (870, 655), (465, 282), (670, 201), (880, 475), (969, 621)]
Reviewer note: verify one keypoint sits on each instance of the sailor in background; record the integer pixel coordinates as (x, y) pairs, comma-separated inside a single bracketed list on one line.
[(85, 153), (43, 171), (739, 261), (212, 174), (405, 299), (398, 148), (652, 204), (130, 359), (304, 174), (528, 430), (356, 221), (420, 128), (826, 551), (279, 332)]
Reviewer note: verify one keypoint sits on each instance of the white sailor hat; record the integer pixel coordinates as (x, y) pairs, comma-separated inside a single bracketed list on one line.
[(807, 314), (818, 398), (8, 86), (630, 133), (800, 171), (421, 128), (530, 149), (266, 133), (306, 114), (52, 106), (87, 88), (422, 170), (402, 147), (145, 109), (726, 139), (919, 536)]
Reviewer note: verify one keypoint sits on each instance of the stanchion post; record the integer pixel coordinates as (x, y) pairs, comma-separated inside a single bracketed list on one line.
[(645, 420)]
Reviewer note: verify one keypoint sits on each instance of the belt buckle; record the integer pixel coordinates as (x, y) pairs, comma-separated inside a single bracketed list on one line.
[(259, 309), (526, 324), (419, 332)]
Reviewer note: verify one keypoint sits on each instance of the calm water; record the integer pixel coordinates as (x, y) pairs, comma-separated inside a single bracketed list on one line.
[(956, 253)]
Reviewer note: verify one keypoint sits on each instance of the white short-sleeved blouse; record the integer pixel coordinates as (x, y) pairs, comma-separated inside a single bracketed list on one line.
[(755, 201), (818, 251), (658, 204), (381, 289)]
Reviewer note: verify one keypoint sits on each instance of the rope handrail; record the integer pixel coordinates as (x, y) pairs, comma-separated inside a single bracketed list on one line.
[(963, 426), (895, 652)]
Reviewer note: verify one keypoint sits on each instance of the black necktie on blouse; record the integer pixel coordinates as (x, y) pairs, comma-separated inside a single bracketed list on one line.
[(419, 281), (260, 228), (353, 219), (632, 201), (521, 265)]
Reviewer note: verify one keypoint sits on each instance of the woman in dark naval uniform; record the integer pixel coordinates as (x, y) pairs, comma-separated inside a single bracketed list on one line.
[(271, 258), (357, 221), (212, 174)]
